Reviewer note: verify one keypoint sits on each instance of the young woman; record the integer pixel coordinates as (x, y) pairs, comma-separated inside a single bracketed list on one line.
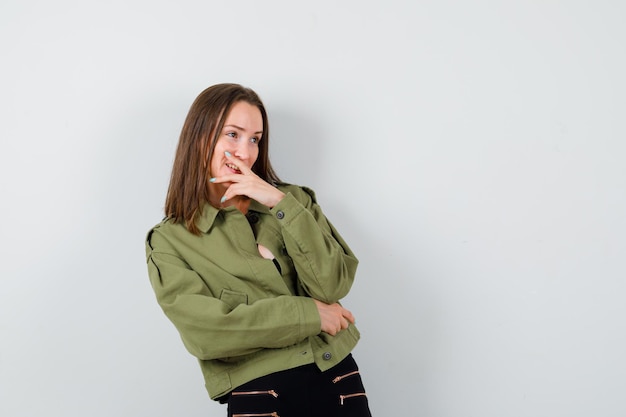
[(251, 272)]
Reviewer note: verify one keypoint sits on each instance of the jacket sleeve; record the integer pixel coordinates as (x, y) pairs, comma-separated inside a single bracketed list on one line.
[(221, 326), (325, 264)]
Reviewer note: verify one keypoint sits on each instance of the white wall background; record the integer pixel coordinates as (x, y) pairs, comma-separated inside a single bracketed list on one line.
[(472, 153)]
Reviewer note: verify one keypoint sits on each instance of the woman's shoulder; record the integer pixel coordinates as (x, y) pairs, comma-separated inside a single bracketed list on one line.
[(163, 234)]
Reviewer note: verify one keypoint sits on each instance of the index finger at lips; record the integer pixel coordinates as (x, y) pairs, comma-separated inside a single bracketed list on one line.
[(240, 164)]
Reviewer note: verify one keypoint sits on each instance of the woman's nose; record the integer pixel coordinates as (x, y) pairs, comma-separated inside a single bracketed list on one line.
[(241, 151)]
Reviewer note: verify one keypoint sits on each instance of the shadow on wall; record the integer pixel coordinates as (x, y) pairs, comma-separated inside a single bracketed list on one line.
[(396, 309), (295, 149), (392, 297)]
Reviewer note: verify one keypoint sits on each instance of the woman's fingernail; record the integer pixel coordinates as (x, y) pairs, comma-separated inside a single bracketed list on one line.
[(227, 153), (223, 199), (212, 180)]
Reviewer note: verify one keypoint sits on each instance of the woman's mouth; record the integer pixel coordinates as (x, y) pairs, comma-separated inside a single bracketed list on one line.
[(233, 167)]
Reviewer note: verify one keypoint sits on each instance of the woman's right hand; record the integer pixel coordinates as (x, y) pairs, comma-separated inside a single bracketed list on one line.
[(334, 317), (249, 184)]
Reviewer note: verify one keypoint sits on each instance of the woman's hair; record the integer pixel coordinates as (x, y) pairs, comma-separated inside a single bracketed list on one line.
[(188, 191)]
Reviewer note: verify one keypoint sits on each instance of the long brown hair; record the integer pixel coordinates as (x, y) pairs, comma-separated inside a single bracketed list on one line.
[(188, 191)]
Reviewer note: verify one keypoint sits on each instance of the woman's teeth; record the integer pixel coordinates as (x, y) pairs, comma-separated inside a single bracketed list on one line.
[(232, 166)]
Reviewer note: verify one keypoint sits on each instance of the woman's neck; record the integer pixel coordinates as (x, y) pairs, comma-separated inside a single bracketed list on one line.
[(240, 202)]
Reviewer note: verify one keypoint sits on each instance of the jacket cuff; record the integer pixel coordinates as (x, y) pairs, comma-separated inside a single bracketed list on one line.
[(287, 209), (310, 323)]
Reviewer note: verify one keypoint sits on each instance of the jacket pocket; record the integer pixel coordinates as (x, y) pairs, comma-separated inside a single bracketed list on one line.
[(233, 298)]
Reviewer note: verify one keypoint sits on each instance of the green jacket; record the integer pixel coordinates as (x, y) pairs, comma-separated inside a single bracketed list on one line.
[(244, 316)]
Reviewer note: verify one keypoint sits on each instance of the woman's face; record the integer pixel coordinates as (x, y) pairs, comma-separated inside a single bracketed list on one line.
[(240, 136)]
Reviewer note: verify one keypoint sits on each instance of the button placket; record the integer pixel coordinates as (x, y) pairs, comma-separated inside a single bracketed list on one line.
[(253, 218)]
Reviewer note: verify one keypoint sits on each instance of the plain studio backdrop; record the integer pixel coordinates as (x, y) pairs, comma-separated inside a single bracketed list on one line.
[(472, 153)]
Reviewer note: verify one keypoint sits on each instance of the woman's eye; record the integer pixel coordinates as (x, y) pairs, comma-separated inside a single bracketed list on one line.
[(231, 134), (254, 140)]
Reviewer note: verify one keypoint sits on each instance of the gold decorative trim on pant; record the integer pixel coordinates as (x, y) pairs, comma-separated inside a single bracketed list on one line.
[(340, 377), (269, 392), (345, 397)]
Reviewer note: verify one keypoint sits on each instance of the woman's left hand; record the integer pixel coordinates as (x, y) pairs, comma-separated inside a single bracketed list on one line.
[(248, 184)]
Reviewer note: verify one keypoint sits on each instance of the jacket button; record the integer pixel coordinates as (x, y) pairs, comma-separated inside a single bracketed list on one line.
[(280, 214), (327, 356)]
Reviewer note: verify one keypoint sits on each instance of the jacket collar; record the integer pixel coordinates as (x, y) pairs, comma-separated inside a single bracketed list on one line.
[(209, 214)]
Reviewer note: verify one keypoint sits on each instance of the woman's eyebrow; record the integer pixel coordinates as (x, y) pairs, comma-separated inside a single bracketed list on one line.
[(241, 128)]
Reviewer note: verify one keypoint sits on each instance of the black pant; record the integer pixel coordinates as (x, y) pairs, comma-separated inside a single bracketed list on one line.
[(303, 392)]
